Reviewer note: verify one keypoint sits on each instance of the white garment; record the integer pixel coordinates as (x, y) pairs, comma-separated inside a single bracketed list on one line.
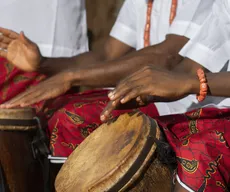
[(130, 25), (210, 47), (57, 26), (197, 13)]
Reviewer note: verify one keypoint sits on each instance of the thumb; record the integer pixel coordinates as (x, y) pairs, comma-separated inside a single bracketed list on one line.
[(24, 39)]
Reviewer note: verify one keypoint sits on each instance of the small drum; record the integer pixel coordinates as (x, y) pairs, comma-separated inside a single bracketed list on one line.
[(118, 156), (21, 171)]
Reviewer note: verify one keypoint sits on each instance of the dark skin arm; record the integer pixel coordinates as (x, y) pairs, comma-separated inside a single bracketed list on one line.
[(105, 74), (113, 49), (152, 84), (24, 54), (164, 55)]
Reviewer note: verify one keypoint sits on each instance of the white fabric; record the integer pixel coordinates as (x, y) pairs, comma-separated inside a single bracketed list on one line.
[(191, 17), (210, 48), (57, 26), (130, 25)]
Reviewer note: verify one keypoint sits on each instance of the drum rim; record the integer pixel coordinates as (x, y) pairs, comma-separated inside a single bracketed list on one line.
[(137, 167), (155, 133)]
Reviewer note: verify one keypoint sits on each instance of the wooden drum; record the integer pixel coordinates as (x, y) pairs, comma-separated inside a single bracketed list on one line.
[(118, 156), (21, 171)]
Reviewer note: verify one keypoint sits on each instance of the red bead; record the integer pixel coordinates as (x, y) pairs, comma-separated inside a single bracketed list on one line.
[(148, 19)]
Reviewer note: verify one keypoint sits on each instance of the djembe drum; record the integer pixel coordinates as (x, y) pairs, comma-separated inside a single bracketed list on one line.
[(21, 171), (119, 156)]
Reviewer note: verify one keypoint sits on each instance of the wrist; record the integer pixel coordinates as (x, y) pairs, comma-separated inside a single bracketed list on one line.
[(192, 84), (73, 77)]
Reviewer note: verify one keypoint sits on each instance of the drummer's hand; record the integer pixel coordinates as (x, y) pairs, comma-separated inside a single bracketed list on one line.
[(116, 105), (19, 50), (47, 89), (161, 85)]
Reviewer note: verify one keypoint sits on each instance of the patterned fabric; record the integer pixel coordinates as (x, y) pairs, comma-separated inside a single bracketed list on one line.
[(71, 117), (201, 141)]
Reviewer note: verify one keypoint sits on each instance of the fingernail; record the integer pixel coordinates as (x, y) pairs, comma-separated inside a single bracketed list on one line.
[(123, 101), (111, 95), (102, 118)]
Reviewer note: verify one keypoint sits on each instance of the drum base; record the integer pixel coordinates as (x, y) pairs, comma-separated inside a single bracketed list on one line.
[(22, 172), (157, 177)]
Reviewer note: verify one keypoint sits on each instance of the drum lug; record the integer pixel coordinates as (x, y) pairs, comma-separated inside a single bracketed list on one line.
[(39, 144)]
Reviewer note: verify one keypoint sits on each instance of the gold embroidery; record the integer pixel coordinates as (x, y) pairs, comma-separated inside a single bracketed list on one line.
[(195, 115), (80, 105), (219, 184), (221, 138), (193, 127), (74, 118), (185, 142), (21, 78), (69, 145), (54, 137), (212, 167), (86, 130), (189, 165)]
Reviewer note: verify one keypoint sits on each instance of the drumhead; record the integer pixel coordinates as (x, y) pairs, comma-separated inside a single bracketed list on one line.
[(110, 157), (17, 119)]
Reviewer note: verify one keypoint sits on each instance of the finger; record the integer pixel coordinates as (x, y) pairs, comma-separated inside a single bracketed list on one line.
[(126, 87), (125, 83), (24, 39), (9, 33), (5, 39), (35, 99), (132, 94), (3, 45), (3, 53), (112, 105), (21, 98)]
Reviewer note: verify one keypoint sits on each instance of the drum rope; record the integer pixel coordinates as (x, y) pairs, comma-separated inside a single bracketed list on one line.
[(41, 151)]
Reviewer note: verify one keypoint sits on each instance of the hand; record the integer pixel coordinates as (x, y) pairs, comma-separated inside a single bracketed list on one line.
[(116, 105), (19, 50), (48, 89), (160, 86)]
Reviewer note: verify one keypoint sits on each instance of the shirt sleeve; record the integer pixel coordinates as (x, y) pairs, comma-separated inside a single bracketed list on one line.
[(211, 44), (190, 17), (124, 28)]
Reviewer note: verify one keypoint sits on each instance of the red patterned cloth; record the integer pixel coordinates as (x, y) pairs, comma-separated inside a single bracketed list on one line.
[(71, 117), (201, 140)]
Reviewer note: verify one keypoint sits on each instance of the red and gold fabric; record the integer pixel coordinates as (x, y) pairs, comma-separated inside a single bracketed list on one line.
[(201, 141), (71, 117)]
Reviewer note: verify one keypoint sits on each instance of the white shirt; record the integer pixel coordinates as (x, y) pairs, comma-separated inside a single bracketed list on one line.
[(130, 25), (57, 26), (210, 47)]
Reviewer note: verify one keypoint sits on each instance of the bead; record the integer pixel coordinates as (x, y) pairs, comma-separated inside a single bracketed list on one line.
[(148, 19), (203, 87)]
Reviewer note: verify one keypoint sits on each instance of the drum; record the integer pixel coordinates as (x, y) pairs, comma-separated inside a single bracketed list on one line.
[(21, 171), (118, 156)]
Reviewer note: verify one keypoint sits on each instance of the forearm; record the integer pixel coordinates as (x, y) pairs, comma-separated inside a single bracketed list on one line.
[(51, 66), (163, 55), (110, 73), (217, 83)]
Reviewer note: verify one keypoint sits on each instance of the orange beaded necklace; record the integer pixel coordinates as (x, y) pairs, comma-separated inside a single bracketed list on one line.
[(148, 19)]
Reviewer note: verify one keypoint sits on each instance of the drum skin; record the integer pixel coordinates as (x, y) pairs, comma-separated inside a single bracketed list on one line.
[(21, 171), (118, 156)]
